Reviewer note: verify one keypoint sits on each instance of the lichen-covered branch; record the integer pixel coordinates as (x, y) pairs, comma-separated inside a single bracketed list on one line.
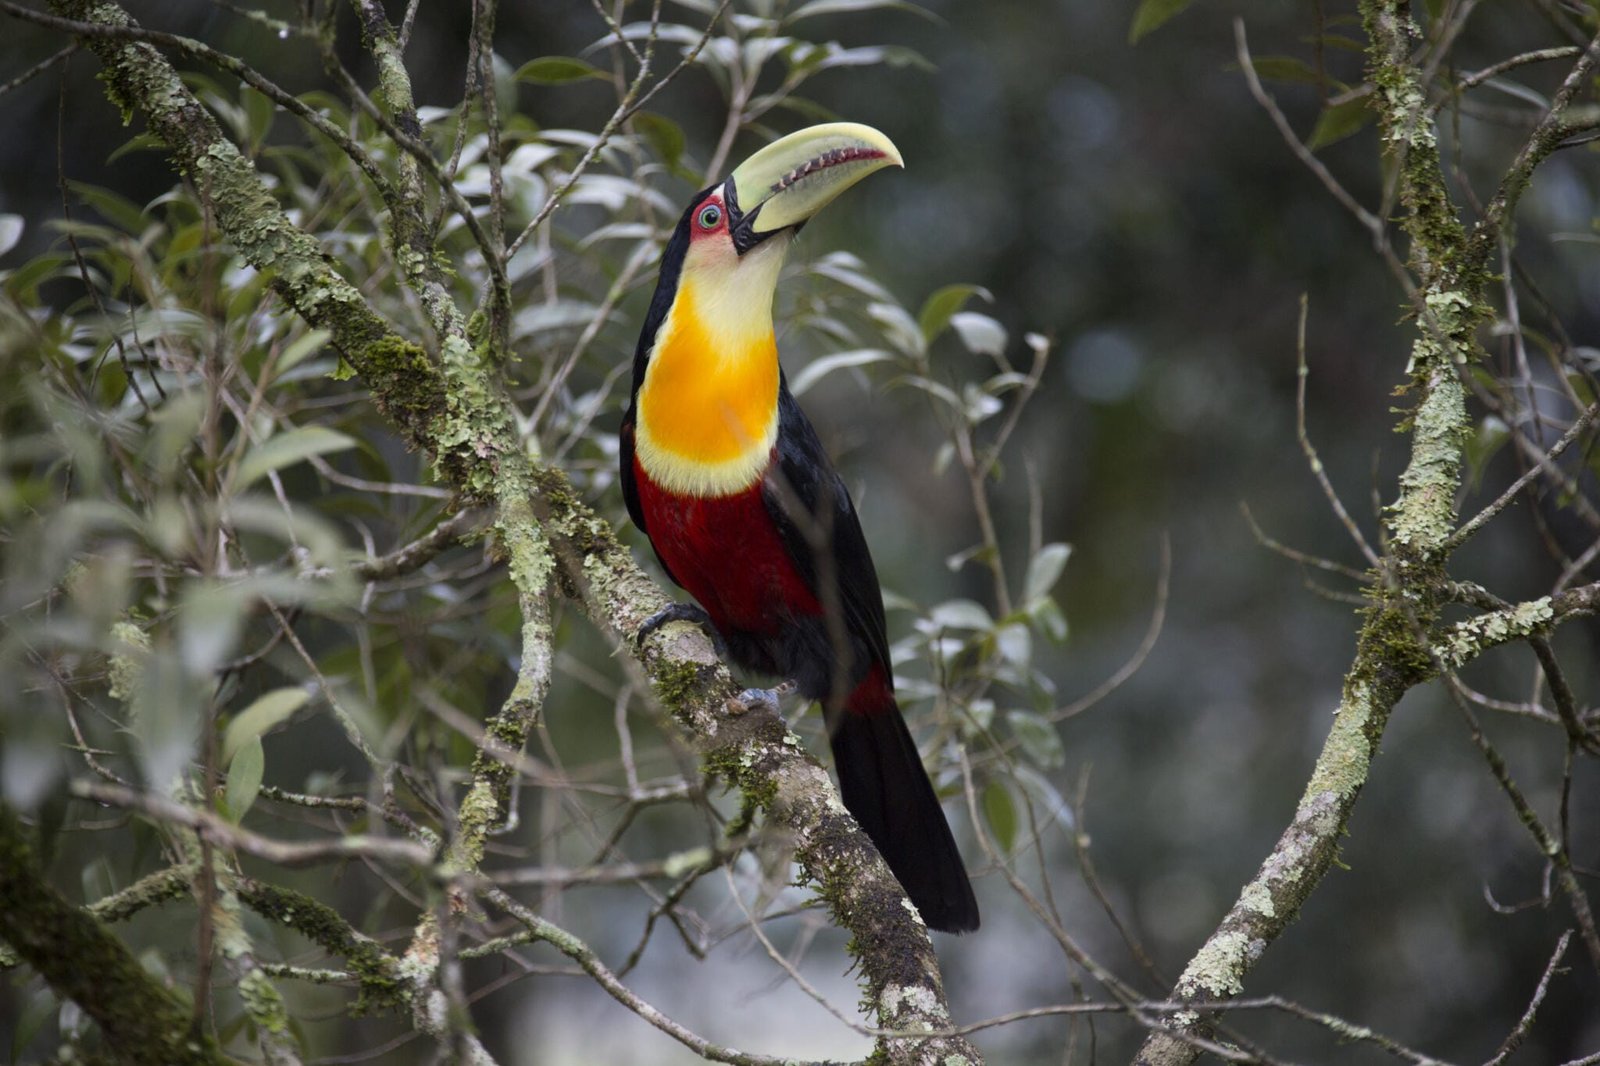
[(1407, 593), (382, 984), (260, 997), (159, 887)]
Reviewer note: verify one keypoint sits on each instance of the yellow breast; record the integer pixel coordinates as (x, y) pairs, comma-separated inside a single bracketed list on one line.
[(708, 407)]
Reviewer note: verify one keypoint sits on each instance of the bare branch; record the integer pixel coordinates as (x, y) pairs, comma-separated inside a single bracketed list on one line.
[(1515, 1038), (1312, 458), (584, 956), (1479, 520), (225, 833)]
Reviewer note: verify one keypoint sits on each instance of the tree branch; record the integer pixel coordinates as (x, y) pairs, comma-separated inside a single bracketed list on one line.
[(85, 963), (1405, 598), (278, 852)]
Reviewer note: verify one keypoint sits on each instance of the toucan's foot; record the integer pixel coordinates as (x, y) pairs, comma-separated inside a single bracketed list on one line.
[(764, 698), (682, 612)]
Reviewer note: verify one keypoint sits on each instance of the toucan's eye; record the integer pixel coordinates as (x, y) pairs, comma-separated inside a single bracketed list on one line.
[(710, 215)]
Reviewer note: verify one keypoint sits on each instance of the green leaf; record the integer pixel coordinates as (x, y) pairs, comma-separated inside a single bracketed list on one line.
[(1339, 121), (1047, 616), (1492, 434), (682, 862), (23, 283), (807, 59), (302, 349), (40, 1007), (664, 135), (938, 308), (286, 449), (1044, 570), (262, 715), (981, 334), (1038, 737), (961, 614), (139, 142), (1152, 14), (259, 111), (1338, 41), (209, 619), (244, 778), (1287, 68), (841, 7), (165, 716), (1014, 643), (818, 369), (557, 70), (1046, 795), (113, 207), (1000, 811)]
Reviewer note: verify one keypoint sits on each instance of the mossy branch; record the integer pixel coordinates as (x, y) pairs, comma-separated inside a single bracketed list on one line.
[(72, 950), (1411, 585), (382, 983), (159, 887), (260, 998)]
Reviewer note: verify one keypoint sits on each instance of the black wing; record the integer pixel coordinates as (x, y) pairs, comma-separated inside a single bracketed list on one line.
[(630, 487), (660, 303), (817, 520)]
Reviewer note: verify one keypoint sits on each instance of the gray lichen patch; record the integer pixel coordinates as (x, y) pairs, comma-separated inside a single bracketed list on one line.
[(1258, 898), (1218, 968), (919, 1001), (130, 646), (1347, 753), (1465, 640), (1424, 516)]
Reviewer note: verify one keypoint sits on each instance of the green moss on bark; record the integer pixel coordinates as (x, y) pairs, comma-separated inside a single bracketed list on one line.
[(84, 962), (382, 983)]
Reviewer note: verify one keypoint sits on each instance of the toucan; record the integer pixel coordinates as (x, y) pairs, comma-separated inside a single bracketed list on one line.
[(724, 473)]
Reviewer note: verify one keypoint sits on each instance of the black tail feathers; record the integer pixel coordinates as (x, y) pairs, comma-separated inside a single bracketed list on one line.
[(888, 792)]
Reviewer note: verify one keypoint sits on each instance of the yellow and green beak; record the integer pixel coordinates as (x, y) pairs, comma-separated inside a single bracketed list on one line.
[(794, 177)]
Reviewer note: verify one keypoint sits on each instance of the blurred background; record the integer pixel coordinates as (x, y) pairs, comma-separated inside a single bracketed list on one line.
[(1132, 204)]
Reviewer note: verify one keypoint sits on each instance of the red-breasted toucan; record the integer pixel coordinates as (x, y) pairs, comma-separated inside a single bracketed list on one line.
[(725, 475)]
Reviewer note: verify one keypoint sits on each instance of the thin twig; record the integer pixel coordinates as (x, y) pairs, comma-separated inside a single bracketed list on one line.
[(1312, 459), (1372, 223), (584, 956), (1479, 520), (39, 68), (1472, 81), (1517, 1035), (1152, 633), (224, 832)]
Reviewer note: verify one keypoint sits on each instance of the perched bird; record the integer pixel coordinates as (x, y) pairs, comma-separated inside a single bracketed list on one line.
[(725, 475)]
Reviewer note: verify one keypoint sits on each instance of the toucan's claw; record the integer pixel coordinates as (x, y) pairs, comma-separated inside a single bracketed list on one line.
[(761, 698), (682, 612)]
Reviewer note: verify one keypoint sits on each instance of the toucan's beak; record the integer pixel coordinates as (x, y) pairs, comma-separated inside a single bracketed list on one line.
[(794, 177)]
